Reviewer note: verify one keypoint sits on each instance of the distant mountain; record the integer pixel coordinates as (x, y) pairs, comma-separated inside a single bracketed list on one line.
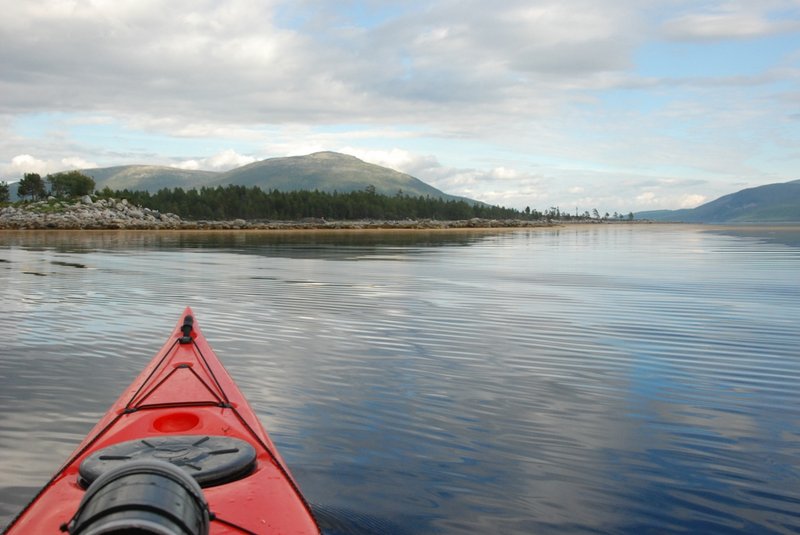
[(326, 171), (772, 203), (142, 178), (148, 177), (323, 171)]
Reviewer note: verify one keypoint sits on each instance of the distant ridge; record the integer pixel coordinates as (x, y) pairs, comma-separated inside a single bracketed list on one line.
[(323, 171), (148, 177), (326, 171), (772, 203)]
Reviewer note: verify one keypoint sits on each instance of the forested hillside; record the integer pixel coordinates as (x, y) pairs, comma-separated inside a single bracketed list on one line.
[(253, 203)]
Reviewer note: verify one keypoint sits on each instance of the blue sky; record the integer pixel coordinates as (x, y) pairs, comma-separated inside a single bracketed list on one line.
[(568, 103)]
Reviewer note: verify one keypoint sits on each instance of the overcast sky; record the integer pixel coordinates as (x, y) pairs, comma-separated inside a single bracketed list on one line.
[(572, 103)]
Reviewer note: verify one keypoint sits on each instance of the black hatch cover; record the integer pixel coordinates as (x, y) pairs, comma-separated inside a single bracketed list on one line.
[(211, 460)]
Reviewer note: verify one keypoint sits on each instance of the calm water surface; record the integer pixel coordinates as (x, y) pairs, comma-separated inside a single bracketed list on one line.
[(605, 379)]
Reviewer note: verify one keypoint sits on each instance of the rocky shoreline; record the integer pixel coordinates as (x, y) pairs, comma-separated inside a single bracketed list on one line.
[(115, 214)]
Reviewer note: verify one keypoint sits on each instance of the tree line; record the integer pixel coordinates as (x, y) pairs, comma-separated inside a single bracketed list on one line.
[(66, 184), (241, 202)]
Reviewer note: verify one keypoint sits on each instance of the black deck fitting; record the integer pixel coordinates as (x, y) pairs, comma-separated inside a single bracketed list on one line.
[(186, 329)]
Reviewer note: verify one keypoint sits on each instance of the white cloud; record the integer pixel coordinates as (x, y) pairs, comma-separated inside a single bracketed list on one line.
[(506, 186), (395, 158), (75, 162), (667, 201), (646, 198), (189, 165), (222, 161), (732, 20), (189, 62), (505, 173), (692, 201), (27, 163), (228, 159)]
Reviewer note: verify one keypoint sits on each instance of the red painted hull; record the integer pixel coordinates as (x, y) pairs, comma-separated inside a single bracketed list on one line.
[(184, 391)]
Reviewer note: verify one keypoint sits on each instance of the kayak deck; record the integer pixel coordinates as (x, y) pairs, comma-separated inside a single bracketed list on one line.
[(184, 395)]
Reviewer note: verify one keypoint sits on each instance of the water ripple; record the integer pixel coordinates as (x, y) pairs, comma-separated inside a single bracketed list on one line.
[(610, 379)]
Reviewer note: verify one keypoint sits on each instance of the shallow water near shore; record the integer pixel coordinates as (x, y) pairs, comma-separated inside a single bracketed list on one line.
[(587, 379)]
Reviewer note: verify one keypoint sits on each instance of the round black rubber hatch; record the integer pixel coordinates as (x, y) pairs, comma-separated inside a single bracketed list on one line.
[(210, 460)]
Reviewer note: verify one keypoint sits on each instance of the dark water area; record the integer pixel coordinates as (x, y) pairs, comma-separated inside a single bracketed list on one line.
[(588, 379)]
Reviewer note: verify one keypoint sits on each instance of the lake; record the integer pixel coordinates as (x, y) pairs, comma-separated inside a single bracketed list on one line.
[(584, 379)]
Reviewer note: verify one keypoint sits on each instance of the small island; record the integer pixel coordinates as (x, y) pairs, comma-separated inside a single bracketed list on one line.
[(119, 214), (71, 203)]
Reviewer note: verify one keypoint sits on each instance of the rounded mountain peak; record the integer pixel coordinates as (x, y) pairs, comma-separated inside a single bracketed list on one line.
[(330, 155)]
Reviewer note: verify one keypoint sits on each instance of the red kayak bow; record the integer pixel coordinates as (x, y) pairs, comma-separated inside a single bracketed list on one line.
[(180, 451)]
